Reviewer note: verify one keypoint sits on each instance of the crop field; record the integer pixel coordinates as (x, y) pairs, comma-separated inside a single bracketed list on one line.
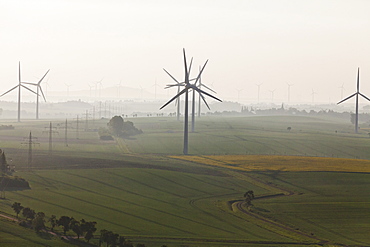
[(311, 183)]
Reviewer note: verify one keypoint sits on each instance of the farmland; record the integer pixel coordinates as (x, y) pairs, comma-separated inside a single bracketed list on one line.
[(143, 188)]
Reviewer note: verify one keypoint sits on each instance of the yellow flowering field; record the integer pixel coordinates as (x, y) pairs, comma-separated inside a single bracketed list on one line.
[(281, 163)]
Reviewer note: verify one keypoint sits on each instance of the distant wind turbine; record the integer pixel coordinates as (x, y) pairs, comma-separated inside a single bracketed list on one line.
[(68, 86), (289, 85), (272, 94), (357, 93), (39, 89), (90, 86), (185, 91), (341, 91), (239, 90), (313, 96), (19, 92)]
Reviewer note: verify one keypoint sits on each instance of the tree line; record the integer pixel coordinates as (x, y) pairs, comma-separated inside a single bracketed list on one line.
[(81, 228)]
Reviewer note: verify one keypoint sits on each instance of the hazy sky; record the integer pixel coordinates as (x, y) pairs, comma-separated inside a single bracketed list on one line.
[(315, 45)]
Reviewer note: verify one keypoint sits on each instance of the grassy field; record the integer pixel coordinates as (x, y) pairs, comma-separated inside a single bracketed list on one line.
[(143, 189)]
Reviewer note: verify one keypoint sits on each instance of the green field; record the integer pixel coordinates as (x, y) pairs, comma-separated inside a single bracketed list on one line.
[(133, 188)]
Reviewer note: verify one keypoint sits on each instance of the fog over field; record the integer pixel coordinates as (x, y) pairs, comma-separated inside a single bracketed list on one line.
[(116, 50)]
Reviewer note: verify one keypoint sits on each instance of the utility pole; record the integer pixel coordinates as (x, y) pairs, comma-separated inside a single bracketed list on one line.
[(29, 142), (65, 135), (77, 131), (51, 131)]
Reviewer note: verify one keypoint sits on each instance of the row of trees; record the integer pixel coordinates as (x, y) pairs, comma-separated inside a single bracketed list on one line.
[(38, 220), (79, 227)]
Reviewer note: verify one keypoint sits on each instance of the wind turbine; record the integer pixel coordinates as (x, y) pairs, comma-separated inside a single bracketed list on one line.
[(19, 92), (258, 96), (68, 85), (193, 100), (178, 91), (289, 85), (313, 96), (90, 86), (155, 89), (39, 89), (119, 89), (356, 94), (200, 87), (185, 91), (239, 90), (341, 91), (272, 94)]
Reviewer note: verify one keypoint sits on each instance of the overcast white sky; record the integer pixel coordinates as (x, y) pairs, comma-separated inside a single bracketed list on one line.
[(315, 45)]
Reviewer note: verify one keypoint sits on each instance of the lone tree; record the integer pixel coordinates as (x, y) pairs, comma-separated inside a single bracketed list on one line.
[(115, 125), (249, 196), (17, 207), (120, 128)]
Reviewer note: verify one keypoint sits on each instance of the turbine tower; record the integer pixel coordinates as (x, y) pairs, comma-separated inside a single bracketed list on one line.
[(258, 95), (39, 89), (357, 93), (185, 91), (19, 92)]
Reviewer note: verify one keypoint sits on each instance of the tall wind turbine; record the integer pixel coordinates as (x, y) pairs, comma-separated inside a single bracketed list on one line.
[(258, 95), (356, 94), (185, 91), (289, 85), (19, 92), (39, 89)]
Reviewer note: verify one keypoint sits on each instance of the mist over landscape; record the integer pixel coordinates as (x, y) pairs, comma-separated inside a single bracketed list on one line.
[(185, 123)]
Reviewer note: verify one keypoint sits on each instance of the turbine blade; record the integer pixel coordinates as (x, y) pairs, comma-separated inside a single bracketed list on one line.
[(19, 76), (186, 68), (171, 76), (43, 77), (358, 80), (204, 100), (9, 90), (191, 62), (29, 83), (203, 92), (177, 95), (208, 88), (176, 85), (200, 72), (364, 96), (29, 89), (42, 93), (346, 98)]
